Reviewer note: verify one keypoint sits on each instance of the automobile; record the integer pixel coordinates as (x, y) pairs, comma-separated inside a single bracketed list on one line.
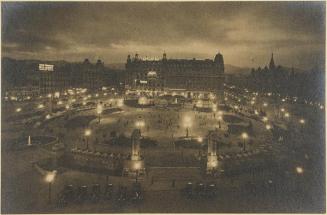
[(109, 191), (81, 195), (211, 190), (122, 194), (69, 192), (136, 194), (96, 192), (199, 189), (188, 190), (65, 196)]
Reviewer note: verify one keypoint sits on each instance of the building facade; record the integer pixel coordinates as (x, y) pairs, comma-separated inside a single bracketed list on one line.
[(84, 75), (182, 74)]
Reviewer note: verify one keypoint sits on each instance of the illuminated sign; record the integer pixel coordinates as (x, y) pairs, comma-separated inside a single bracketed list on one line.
[(150, 58), (46, 67), (152, 73), (143, 82)]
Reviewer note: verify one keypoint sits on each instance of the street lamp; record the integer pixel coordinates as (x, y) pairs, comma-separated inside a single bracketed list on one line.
[(120, 102), (302, 122), (87, 133), (187, 124), (140, 124), (57, 94), (18, 110), (50, 176), (265, 119), (199, 103), (99, 110), (219, 119), (214, 107), (299, 170), (281, 114), (268, 127), (245, 136)]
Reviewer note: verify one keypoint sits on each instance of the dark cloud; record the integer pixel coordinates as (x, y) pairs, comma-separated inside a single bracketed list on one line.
[(110, 30)]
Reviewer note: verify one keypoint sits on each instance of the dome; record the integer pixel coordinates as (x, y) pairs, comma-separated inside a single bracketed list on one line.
[(219, 58)]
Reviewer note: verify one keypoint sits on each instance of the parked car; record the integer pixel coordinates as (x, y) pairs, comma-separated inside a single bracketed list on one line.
[(109, 191), (211, 190), (122, 194), (188, 190), (96, 192), (82, 194)]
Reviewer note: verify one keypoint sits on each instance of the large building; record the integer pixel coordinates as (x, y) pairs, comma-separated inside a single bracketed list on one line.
[(187, 75), (60, 78)]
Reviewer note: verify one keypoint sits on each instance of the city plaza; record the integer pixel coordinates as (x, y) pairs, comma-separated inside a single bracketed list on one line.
[(164, 141)]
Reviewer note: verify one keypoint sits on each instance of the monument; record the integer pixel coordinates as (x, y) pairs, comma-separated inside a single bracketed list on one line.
[(212, 158), (135, 165)]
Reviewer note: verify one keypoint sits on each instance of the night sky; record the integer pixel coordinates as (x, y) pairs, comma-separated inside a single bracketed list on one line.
[(245, 33)]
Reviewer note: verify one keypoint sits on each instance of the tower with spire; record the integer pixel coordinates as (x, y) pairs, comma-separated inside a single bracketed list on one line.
[(272, 63)]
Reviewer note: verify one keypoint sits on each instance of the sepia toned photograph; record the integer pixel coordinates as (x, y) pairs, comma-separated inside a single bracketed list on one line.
[(163, 107)]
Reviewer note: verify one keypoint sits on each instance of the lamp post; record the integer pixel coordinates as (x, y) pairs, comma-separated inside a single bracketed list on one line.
[(99, 111), (214, 109), (50, 96), (299, 170), (187, 124), (139, 124), (219, 119), (87, 133), (265, 119), (282, 110), (245, 136), (287, 115), (268, 127), (302, 122), (50, 178)]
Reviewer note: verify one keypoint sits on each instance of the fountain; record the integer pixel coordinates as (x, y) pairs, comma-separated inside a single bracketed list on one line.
[(135, 165), (212, 158)]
